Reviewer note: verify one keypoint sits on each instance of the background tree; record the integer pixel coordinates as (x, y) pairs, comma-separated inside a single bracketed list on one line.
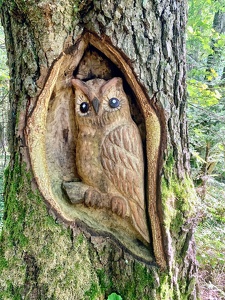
[(39, 257)]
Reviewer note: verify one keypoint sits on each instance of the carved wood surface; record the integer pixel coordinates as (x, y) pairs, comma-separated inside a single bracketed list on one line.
[(57, 140)]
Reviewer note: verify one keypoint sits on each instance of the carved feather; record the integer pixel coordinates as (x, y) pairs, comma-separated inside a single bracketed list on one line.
[(128, 168), (122, 160)]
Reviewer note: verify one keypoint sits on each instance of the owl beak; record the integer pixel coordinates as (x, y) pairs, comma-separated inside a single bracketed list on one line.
[(95, 103)]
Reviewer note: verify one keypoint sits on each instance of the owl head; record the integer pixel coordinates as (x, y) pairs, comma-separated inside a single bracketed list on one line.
[(99, 102)]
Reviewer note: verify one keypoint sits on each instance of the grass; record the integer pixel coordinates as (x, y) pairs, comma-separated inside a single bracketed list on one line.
[(210, 237)]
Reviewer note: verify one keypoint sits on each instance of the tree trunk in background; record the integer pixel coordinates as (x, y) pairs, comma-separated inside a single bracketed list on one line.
[(213, 61), (45, 257)]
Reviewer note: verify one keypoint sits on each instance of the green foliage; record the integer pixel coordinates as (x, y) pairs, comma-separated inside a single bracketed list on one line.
[(206, 90), (200, 93), (200, 30), (211, 251), (114, 296), (209, 236), (206, 96)]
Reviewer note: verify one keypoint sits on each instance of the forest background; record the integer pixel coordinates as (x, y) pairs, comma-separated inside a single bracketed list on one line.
[(206, 119)]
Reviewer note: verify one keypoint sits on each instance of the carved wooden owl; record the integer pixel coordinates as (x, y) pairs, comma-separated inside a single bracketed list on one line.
[(109, 152)]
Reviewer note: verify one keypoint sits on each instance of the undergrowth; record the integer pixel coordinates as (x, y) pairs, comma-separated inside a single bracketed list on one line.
[(210, 236), (2, 167), (1, 197)]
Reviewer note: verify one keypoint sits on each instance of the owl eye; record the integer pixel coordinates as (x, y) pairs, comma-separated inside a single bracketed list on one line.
[(84, 107), (114, 103)]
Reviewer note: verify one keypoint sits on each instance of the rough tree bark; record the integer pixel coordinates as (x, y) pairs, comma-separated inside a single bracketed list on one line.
[(44, 255)]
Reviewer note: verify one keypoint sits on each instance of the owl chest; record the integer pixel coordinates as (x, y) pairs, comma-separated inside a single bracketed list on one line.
[(88, 152)]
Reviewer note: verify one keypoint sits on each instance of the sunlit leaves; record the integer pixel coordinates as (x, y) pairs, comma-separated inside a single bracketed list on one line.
[(201, 33), (206, 92), (200, 93)]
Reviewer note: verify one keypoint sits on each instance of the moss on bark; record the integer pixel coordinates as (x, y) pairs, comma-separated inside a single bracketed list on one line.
[(41, 259)]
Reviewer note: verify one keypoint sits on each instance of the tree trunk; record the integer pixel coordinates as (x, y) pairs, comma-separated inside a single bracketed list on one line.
[(214, 59), (52, 248)]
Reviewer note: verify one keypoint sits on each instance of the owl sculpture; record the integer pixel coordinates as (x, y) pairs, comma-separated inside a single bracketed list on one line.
[(109, 153)]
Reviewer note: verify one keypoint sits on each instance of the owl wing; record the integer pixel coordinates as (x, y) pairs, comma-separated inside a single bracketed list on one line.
[(122, 160)]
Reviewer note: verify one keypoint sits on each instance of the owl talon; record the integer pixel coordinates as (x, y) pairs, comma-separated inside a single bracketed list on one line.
[(74, 190), (93, 198), (119, 206)]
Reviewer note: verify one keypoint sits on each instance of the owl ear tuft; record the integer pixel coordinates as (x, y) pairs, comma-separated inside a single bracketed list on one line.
[(112, 82), (80, 85)]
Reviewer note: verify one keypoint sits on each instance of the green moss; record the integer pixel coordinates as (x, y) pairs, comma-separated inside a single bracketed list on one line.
[(101, 286), (164, 289), (142, 286), (104, 284), (146, 278), (15, 211), (50, 245), (178, 197), (6, 172), (93, 292), (3, 261), (75, 8), (16, 292), (66, 266), (179, 200), (181, 291), (11, 292), (179, 206), (79, 239)]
